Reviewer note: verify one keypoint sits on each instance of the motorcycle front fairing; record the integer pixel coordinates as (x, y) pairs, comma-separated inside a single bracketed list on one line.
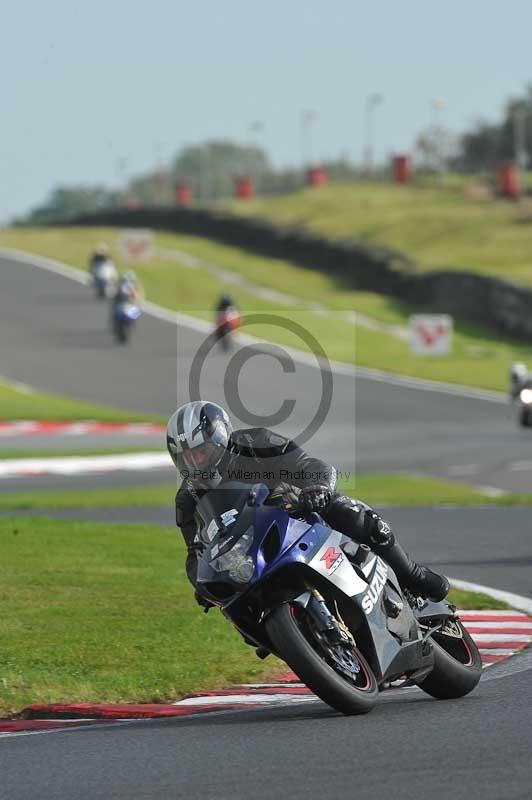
[(381, 620), (127, 312), (288, 556)]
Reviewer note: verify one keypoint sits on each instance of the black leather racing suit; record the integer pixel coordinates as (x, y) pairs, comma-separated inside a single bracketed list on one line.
[(257, 455)]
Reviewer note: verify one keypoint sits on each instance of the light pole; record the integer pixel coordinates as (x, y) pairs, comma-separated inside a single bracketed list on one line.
[(372, 101), (121, 165), (255, 129), (160, 173), (519, 132), (437, 105), (307, 119)]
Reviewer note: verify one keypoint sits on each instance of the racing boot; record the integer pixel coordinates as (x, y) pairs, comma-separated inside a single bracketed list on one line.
[(418, 579)]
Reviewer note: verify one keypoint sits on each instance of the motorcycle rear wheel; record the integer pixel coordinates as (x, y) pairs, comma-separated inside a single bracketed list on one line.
[(335, 689), (457, 666)]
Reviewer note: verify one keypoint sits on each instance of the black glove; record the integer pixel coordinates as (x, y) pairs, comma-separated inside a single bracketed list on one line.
[(376, 529), (314, 498), (203, 602)]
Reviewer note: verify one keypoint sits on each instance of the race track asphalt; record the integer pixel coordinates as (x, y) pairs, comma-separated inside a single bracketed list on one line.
[(55, 337)]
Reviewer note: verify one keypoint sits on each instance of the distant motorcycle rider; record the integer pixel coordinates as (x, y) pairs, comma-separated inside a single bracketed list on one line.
[(225, 302), (129, 289), (518, 375), (99, 256), (207, 451)]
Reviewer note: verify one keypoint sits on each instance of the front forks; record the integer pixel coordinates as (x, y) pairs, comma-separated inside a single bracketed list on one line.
[(332, 629)]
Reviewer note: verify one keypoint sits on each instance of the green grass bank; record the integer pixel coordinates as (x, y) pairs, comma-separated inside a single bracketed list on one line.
[(437, 227)]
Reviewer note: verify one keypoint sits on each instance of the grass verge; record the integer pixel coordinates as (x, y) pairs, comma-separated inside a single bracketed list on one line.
[(111, 617), (116, 497), (17, 403), (479, 358), (376, 489), (404, 489)]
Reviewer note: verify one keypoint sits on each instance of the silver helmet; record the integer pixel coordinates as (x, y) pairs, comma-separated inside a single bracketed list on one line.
[(518, 372), (197, 437)]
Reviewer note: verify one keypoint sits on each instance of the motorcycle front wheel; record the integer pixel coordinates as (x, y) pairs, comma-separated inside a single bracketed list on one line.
[(121, 332), (457, 663), (338, 674), (525, 418)]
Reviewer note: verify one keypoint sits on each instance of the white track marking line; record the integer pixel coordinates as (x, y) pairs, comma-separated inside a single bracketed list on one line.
[(463, 469), (203, 326), (83, 427), (293, 685), (492, 612), (75, 465), (18, 428), (498, 626), (250, 698), (520, 466)]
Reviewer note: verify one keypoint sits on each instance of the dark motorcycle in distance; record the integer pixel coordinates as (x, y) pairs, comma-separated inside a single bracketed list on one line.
[(331, 609), (524, 400), (228, 321), (124, 316)]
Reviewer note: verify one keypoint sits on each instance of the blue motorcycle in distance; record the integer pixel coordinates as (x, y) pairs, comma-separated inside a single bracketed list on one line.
[(124, 315), (331, 609)]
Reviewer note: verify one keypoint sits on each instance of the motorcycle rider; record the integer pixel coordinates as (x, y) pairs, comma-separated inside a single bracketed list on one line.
[(207, 451), (228, 317), (518, 375), (225, 302), (99, 257), (129, 289)]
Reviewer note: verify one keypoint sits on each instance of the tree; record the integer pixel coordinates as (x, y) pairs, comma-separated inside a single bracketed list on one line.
[(69, 201), (212, 166), (489, 143), (435, 148)]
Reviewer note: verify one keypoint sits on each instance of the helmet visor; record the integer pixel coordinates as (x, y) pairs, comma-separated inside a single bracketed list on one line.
[(204, 457)]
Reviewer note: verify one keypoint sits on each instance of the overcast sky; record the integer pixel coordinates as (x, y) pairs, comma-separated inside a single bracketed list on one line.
[(87, 84)]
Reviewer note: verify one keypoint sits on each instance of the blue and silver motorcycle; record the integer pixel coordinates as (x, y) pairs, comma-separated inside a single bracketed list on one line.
[(124, 315), (331, 609)]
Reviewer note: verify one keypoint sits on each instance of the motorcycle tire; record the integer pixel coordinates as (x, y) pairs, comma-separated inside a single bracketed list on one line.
[(121, 332), (524, 418), (225, 342), (457, 667), (292, 646)]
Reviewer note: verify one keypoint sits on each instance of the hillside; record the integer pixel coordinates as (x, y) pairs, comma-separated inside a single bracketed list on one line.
[(437, 228)]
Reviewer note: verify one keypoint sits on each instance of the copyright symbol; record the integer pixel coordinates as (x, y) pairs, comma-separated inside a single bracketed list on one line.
[(284, 358)]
